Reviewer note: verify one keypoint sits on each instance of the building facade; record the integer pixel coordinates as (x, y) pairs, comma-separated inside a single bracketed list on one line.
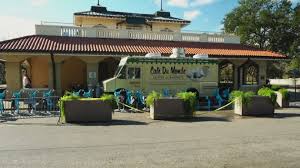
[(88, 52)]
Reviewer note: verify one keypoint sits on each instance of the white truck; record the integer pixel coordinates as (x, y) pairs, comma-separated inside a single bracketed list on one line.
[(156, 73)]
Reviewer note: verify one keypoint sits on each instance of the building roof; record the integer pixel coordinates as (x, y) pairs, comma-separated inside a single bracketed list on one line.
[(97, 46), (162, 16)]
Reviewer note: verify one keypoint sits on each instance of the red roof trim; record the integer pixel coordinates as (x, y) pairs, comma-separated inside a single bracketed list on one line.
[(60, 44)]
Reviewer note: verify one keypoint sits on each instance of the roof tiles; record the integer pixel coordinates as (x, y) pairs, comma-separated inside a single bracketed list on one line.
[(59, 44)]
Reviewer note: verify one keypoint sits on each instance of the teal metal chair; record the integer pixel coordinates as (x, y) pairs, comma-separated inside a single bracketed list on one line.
[(48, 100), (2, 97), (88, 94), (16, 101)]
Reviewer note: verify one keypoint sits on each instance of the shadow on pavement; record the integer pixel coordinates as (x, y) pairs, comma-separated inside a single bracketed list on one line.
[(201, 119), (286, 115), (112, 123)]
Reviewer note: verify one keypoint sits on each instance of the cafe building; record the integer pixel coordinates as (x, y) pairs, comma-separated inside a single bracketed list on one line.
[(87, 52)]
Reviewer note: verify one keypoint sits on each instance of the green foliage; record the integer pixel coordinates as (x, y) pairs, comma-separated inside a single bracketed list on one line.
[(268, 93), (275, 87), (244, 96), (285, 93), (67, 97), (189, 98), (251, 21), (70, 97), (270, 25), (151, 98), (294, 64), (109, 98)]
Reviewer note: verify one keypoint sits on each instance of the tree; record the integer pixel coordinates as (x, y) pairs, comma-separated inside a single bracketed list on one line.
[(267, 24)]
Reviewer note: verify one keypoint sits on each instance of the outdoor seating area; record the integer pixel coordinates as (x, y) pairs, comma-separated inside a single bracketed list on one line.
[(28, 103)]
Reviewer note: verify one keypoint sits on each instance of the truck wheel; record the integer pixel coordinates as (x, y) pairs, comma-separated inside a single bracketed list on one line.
[(194, 90)]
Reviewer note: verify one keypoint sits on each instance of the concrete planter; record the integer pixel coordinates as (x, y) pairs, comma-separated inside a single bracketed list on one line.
[(283, 103), (258, 106), (87, 111), (169, 108)]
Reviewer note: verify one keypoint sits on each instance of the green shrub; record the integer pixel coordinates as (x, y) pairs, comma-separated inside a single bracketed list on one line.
[(109, 98), (268, 93), (151, 98), (244, 96), (189, 98), (285, 93), (69, 97), (275, 87)]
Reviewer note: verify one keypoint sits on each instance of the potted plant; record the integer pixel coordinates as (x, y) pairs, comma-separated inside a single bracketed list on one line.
[(283, 98), (249, 104), (83, 110), (189, 99), (170, 108)]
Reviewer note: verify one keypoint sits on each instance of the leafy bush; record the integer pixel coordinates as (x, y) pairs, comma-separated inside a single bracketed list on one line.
[(109, 98), (189, 98), (285, 93), (244, 96), (275, 87), (69, 97), (151, 98), (268, 93)]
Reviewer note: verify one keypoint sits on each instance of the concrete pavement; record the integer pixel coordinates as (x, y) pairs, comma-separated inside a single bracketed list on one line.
[(133, 140)]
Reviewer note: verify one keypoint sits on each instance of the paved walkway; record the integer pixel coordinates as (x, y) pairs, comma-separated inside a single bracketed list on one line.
[(133, 140)]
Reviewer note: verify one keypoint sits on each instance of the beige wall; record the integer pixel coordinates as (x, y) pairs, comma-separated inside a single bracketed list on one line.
[(87, 21), (40, 72), (13, 76), (172, 26), (92, 21), (73, 71)]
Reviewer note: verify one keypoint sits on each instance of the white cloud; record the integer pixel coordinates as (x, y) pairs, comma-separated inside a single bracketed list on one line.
[(179, 3), (16, 27), (202, 2), (191, 15), (220, 28), (39, 3)]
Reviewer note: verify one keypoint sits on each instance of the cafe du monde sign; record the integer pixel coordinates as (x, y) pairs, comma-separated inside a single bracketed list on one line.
[(178, 73)]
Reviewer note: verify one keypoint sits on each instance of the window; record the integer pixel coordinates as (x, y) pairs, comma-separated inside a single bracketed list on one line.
[(134, 27), (250, 73), (100, 26), (121, 72), (134, 73), (166, 30), (226, 71)]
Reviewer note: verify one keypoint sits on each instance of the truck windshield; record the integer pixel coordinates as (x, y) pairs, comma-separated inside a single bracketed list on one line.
[(121, 72)]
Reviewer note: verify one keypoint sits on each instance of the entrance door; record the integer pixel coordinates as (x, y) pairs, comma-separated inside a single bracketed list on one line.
[(226, 75)]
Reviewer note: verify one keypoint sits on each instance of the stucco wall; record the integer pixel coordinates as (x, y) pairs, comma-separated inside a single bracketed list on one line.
[(40, 72), (161, 26), (92, 21), (73, 71)]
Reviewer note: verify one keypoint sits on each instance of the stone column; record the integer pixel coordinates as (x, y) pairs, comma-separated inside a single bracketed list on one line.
[(13, 76), (50, 80), (58, 78), (236, 76), (262, 72)]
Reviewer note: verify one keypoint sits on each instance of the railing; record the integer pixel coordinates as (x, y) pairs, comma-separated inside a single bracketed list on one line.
[(73, 31), (37, 107)]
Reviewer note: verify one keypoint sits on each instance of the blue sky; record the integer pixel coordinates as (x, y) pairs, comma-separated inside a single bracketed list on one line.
[(20, 16)]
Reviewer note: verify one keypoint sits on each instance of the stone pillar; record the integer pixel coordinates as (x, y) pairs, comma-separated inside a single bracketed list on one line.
[(92, 73), (50, 80), (58, 78), (262, 72), (13, 76), (236, 76)]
